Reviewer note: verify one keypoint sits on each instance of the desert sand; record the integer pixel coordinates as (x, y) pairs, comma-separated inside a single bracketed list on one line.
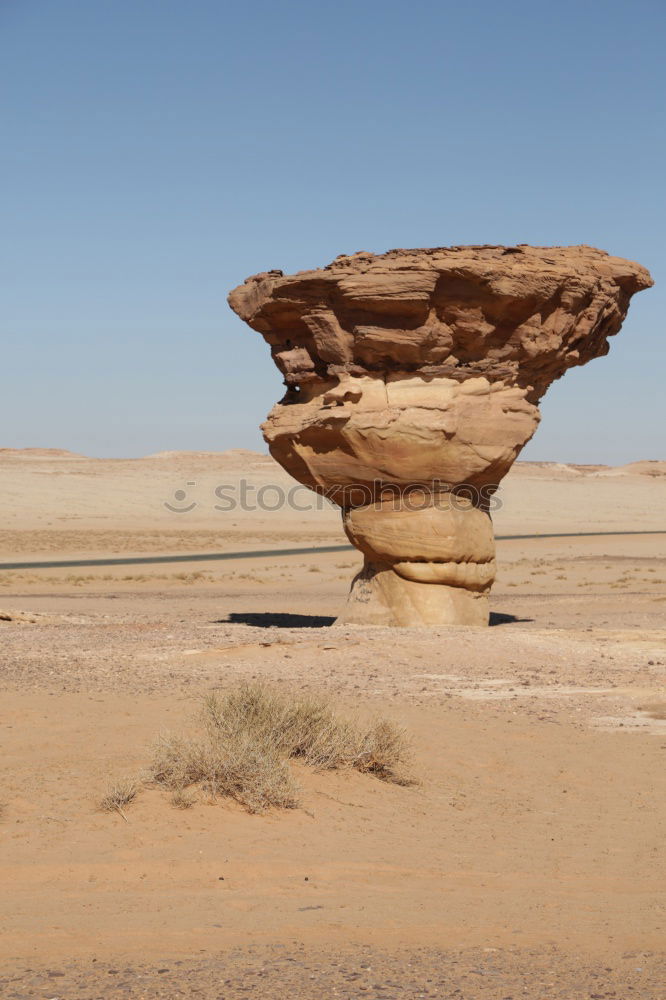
[(527, 861)]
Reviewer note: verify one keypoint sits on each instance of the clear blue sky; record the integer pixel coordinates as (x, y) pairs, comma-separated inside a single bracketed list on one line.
[(156, 153)]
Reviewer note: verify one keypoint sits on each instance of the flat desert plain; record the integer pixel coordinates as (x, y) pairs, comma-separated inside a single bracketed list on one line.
[(526, 861)]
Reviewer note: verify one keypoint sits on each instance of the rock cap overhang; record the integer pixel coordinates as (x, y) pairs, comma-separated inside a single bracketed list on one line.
[(518, 314)]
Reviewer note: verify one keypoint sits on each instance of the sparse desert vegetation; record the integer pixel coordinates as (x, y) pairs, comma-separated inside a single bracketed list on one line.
[(119, 794), (247, 737)]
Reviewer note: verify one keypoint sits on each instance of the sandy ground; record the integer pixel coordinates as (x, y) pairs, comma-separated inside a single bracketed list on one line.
[(528, 861)]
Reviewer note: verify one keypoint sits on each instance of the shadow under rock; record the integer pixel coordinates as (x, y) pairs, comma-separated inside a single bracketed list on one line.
[(497, 618), (279, 619), (282, 619)]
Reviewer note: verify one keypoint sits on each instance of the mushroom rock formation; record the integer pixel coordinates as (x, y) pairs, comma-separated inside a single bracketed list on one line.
[(413, 381)]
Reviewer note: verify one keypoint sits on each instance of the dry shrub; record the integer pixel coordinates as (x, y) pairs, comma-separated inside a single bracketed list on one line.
[(119, 795), (183, 798), (306, 728), (248, 737), (383, 751), (235, 768)]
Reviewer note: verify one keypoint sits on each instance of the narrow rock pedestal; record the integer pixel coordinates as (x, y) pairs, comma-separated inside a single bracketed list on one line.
[(429, 560)]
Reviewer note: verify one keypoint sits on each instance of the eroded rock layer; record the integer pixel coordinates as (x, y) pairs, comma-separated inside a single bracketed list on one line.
[(420, 371)]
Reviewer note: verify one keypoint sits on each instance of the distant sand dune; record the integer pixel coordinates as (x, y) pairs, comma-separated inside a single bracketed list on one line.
[(38, 453), (233, 456)]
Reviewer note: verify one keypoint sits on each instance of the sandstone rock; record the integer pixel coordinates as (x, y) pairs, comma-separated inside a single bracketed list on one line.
[(418, 373)]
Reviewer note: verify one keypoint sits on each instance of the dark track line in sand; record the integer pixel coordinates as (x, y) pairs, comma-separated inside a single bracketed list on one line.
[(267, 553)]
